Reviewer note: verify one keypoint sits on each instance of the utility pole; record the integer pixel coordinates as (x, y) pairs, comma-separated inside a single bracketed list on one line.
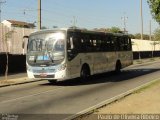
[(74, 22), (124, 18), (1, 2), (150, 37), (141, 12), (150, 30), (39, 15)]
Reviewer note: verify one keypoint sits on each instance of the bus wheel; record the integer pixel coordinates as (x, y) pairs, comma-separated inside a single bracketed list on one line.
[(118, 67), (85, 73)]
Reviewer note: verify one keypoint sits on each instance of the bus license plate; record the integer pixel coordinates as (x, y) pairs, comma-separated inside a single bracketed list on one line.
[(43, 75)]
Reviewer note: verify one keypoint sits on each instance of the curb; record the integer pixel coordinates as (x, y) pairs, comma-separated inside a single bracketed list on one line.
[(143, 61), (109, 101), (20, 83)]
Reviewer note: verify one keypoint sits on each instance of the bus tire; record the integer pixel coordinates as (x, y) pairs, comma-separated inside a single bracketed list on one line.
[(85, 73), (118, 67)]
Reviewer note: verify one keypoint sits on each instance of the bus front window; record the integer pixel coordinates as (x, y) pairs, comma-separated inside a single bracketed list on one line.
[(59, 49), (48, 48)]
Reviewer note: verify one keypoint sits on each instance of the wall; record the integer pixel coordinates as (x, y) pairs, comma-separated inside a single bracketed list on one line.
[(14, 39), (16, 63), (145, 45)]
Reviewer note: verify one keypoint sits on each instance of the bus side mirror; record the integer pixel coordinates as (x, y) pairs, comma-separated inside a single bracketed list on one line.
[(23, 43)]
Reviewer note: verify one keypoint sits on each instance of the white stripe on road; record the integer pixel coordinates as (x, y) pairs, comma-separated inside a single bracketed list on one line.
[(53, 90)]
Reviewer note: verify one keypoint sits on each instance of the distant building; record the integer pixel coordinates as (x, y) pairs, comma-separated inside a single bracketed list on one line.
[(20, 24)]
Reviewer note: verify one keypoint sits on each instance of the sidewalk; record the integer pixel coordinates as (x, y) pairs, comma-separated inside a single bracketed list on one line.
[(147, 60), (143, 101), (15, 79), (141, 105)]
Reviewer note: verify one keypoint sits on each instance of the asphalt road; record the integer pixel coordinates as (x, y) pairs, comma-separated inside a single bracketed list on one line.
[(46, 101)]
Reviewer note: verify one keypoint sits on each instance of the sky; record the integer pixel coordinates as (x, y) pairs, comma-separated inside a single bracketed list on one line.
[(87, 13)]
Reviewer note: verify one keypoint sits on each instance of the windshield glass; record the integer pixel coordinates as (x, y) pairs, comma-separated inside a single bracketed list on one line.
[(46, 47)]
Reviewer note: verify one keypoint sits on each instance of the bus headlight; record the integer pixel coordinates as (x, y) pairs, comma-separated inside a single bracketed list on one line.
[(62, 67)]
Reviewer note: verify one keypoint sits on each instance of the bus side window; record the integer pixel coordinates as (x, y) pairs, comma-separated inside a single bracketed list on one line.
[(88, 42), (70, 45), (122, 44), (126, 44), (107, 43), (112, 43), (129, 44), (85, 43), (72, 52)]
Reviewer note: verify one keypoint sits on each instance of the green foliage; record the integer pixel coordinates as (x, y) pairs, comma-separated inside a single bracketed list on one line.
[(155, 9), (112, 29), (157, 35), (115, 29), (146, 37), (43, 27), (131, 36), (138, 36)]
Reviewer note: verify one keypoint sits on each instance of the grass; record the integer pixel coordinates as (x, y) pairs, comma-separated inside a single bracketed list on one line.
[(95, 111), (147, 87)]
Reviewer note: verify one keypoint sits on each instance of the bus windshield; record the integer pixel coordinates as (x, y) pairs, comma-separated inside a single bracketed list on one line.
[(49, 47)]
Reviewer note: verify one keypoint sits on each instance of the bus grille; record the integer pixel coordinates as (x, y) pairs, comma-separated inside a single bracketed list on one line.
[(44, 71), (47, 76)]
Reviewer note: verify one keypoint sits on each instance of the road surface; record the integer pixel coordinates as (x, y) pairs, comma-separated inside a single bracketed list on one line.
[(60, 101)]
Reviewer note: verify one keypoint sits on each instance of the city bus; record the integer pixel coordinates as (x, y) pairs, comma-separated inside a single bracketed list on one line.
[(62, 54)]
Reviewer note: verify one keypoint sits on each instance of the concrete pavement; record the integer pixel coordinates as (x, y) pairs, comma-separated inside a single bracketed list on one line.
[(61, 99)]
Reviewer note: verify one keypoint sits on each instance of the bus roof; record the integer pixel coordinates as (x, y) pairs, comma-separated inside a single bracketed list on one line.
[(82, 30)]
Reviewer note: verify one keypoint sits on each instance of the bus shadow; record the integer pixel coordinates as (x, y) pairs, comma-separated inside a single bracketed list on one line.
[(106, 77)]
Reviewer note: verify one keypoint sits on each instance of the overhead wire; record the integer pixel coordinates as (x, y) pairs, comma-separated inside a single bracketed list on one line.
[(87, 19)]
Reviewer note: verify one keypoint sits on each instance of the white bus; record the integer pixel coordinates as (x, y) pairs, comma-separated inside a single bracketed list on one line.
[(62, 54)]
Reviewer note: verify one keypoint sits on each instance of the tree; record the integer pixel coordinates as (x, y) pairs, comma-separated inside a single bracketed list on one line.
[(131, 36), (55, 26), (138, 36), (112, 29), (156, 40), (157, 35), (6, 37), (146, 37), (43, 27), (155, 9)]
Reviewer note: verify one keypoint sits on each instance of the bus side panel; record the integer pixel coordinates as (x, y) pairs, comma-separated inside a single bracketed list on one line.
[(126, 58), (75, 65)]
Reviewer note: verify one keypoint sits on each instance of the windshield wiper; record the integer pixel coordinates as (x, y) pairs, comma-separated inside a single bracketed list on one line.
[(48, 53)]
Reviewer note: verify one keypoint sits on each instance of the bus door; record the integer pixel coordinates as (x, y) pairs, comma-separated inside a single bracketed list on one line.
[(73, 55)]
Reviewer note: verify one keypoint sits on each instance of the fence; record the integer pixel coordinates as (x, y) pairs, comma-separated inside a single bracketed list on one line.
[(11, 39)]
